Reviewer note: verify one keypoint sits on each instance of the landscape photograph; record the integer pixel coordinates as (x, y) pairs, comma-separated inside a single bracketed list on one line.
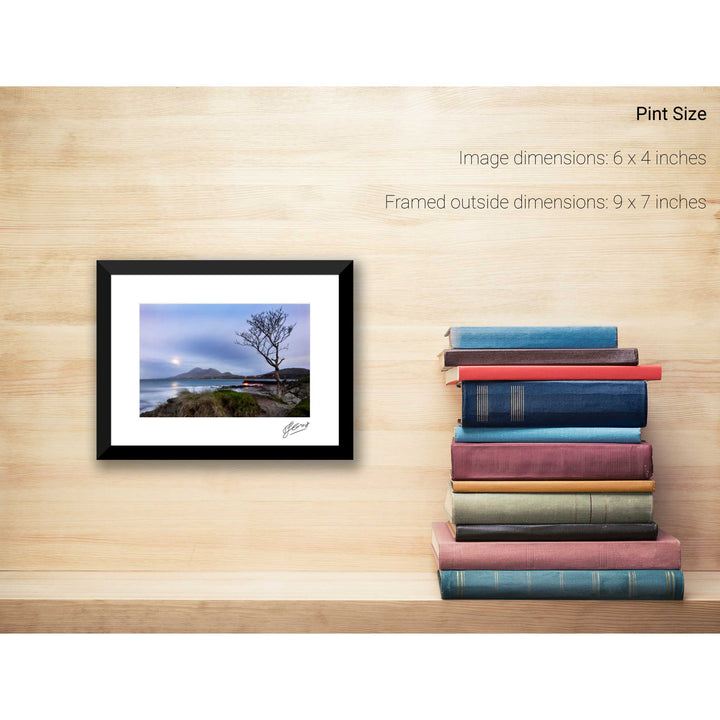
[(211, 360)]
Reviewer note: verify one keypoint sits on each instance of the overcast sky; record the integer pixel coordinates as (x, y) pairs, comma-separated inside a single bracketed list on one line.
[(177, 338)]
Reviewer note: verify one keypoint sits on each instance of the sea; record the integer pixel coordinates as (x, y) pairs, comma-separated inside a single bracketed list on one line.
[(156, 392)]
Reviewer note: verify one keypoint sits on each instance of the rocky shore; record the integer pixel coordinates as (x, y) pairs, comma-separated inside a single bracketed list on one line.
[(237, 401)]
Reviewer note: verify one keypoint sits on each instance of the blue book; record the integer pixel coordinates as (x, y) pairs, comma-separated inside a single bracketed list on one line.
[(497, 338), (547, 434), (561, 584), (555, 403)]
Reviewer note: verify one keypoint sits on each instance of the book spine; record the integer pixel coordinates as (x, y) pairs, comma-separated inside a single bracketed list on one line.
[(561, 584), (552, 461), (553, 486), (503, 373), (548, 434), (541, 356), (540, 508), (533, 337), (564, 555), (556, 531), (555, 403)]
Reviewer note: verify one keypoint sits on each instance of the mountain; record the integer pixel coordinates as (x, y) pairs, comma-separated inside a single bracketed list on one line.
[(198, 373), (203, 374), (286, 373)]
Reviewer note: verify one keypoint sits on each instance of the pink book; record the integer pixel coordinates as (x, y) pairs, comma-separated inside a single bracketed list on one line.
[(660, 554), (551, 461)]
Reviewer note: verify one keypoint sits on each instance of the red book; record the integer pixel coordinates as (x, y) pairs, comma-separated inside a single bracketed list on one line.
[(551, 461), (551, 372), (660, 554)]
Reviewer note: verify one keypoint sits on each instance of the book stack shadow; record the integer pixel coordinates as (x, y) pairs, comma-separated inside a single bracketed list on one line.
[(551, 492)]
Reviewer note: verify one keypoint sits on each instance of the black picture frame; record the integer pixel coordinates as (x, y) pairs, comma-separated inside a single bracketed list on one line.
[(344, 448)]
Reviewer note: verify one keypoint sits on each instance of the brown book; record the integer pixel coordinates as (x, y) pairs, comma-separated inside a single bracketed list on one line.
[(558, 486), (554, 531), (543, 356)]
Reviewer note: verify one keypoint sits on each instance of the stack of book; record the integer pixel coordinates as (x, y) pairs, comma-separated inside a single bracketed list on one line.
[(551, 494)]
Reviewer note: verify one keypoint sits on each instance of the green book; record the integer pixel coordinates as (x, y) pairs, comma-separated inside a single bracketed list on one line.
[(545, 508)]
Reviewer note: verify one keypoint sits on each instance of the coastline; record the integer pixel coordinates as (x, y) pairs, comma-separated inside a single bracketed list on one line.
[(226, 399)]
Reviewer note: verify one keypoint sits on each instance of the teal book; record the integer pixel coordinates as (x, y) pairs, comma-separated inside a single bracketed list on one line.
[(547, 434), (510, 338), (561, 584)]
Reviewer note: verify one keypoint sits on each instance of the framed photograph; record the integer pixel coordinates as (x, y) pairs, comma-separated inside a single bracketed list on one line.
[(203, 359)]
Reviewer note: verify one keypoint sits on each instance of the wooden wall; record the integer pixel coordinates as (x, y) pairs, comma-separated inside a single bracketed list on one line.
[(283, 173)]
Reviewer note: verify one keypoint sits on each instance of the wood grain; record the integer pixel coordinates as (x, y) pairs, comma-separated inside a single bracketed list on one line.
[(320, 602), (302, 173)]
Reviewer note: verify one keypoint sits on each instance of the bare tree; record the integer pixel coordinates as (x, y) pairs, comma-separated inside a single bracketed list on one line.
[(266, 333)]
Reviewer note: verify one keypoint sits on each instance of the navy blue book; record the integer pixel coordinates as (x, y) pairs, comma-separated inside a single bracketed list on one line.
[(494, 338), (555, 403), (561, 584)]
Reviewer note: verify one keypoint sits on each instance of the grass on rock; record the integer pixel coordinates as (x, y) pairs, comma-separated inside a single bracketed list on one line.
[(212, 403), (302, 409)]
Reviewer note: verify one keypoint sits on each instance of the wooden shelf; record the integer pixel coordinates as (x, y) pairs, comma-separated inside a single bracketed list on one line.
[(319, 602)]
